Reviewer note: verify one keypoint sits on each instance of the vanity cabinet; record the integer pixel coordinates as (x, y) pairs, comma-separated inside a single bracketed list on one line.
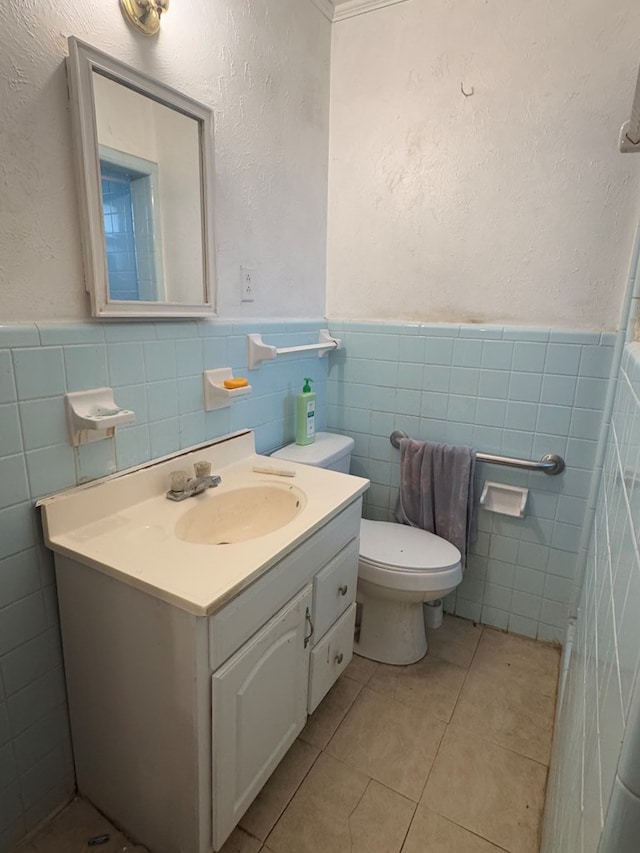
[(259, 706), (179, 719)]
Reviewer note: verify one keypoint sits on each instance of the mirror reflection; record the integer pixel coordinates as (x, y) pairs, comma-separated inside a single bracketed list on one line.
[(150, 181)]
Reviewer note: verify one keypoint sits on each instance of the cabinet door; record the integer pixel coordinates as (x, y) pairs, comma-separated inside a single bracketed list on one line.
[(259, 705), (330, 657)]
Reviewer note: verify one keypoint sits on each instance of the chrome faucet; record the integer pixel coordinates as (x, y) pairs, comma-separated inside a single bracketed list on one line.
[(182, 486)]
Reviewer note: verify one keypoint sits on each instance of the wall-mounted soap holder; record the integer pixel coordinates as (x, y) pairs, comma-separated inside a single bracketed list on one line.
[(216, 396), (93, 415)]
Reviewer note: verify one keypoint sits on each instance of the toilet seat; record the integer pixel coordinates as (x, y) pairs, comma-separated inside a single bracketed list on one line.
[(407, 558), (400, 547)]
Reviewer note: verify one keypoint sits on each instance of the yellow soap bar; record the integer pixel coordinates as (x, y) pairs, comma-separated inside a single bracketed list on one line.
[(240, 382)]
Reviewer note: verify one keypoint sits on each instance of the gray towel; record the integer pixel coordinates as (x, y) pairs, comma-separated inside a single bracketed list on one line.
[(436, 490)]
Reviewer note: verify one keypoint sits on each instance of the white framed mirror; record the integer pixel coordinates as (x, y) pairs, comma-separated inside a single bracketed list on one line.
[(145, 173)]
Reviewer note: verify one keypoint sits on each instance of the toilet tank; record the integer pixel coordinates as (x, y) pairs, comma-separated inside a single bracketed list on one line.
[(327, 451)]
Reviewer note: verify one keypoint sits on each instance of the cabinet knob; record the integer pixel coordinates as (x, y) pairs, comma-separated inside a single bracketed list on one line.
[(339, 658), (343, 590)]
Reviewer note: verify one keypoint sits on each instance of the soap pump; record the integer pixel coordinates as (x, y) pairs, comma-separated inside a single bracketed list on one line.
[(306, 414)]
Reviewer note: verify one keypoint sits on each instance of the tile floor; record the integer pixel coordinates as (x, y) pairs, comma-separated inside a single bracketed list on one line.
[(448, 755)]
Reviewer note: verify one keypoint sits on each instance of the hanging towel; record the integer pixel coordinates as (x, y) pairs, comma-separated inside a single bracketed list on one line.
[(436, 490)]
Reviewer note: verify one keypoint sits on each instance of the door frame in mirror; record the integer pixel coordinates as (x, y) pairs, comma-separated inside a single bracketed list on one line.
[(82, 62)]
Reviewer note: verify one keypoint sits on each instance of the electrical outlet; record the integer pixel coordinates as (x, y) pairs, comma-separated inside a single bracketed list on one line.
[(248, 284)]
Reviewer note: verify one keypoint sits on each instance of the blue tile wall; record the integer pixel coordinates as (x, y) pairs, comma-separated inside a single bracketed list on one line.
[(513, 391), (156, 370), (605, 658)]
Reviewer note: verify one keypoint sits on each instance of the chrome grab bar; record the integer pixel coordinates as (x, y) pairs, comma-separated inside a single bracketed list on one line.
[(550, 463)]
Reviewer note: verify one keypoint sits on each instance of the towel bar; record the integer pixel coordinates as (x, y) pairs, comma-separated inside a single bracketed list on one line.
[(258, 351), (550, 463)]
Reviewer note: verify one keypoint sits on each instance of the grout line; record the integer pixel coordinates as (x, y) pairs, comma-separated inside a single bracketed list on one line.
[(433, 763), (447, 724), (466, 676), (470, 831), (289, 800), (352, 812), (483, 737), (493, 742)]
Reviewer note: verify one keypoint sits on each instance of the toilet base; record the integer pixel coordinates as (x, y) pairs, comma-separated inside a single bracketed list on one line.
[(391, 631)]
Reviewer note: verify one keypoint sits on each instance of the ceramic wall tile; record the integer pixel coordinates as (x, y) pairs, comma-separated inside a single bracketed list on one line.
[(156, 370), (86, 367), (39, 372), (597, 713)]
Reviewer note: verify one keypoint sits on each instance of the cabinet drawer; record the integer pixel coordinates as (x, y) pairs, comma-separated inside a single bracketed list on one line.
[(330, 657), (334, 588), (232, 626)]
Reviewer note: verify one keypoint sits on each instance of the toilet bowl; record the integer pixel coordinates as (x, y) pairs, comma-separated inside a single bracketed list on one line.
[(399, 568)]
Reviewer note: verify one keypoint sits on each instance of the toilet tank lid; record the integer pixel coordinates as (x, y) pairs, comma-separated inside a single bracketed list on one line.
[(325, 450), (398, 545)]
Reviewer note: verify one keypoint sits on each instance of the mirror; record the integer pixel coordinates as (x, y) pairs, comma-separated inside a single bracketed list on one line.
[(145, 166)]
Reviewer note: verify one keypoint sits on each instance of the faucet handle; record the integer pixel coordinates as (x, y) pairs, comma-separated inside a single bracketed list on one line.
[(178, 481), (202, 468)]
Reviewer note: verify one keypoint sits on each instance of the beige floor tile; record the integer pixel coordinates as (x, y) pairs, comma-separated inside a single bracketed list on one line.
[(317, 819), (380, 821), (389, 741), (272, 800), (527, 662), (361, 669), (324, 721), (489, 790), (501, 709), (380, 728), (385, 679), (432, 832), (240, 842), (455, 640), (70, 831), (432, 685)]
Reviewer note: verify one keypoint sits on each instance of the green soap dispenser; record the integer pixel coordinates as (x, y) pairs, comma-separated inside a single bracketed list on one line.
[(306, 414)]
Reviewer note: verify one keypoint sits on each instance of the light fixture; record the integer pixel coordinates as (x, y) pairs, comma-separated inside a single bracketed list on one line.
[(144, 14)]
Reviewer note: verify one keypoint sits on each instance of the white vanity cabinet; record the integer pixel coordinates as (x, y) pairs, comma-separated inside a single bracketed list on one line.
[(259, 706), (264, 682), (179, 719)]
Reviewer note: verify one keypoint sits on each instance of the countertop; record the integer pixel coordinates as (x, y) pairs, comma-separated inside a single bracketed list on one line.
[(124, 526)]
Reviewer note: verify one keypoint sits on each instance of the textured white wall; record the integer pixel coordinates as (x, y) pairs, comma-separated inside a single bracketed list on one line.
[(262, 66), (512, 205)]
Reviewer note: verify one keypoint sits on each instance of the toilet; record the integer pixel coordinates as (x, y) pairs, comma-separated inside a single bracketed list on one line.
[(399, 568)]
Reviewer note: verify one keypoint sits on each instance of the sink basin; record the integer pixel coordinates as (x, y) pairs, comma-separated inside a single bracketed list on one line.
[(226, 517)]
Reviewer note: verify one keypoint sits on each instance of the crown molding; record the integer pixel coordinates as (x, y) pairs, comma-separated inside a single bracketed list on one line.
[(326, 7), (351, 8), (341, 9)]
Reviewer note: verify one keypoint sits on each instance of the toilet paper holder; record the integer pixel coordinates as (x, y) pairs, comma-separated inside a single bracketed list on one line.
[(504, 499)]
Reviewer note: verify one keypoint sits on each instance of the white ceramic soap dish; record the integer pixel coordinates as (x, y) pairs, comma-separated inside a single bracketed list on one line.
[(216, 396), (93, 415)]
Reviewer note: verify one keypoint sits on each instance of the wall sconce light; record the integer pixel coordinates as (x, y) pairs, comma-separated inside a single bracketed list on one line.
[(144, 14)]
